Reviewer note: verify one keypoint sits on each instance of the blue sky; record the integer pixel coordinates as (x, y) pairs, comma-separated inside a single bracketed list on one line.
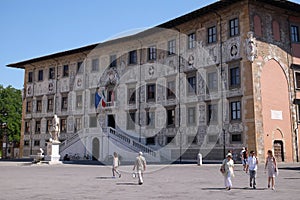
[(34, 28)]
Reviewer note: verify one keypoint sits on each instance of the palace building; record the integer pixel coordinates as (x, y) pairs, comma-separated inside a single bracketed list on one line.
[(220, 78)]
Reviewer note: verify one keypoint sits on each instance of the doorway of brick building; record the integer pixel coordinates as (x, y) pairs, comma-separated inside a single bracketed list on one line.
[(279, 150)]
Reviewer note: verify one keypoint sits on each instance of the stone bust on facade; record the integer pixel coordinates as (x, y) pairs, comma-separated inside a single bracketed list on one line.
[(251, 46)]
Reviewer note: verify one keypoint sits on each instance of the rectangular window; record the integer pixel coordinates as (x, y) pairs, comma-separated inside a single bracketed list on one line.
[(37, 127), (39, 105), (28, 106), (27, 128), (212, 35), (79, 101), (191, 40), (50, 104), (150, 141), (51, 73), (212, 114), (65, 70), (36, 143), (26, 142), (150, 118), (295, 33), (131, 120), (113, 61), (152, 53), (49, 125), (151, 92), (93, 121), (191, 116), (80, 67), (170, 117), (78, 123), (63, 125), (297, 76), (171, 90), (30, 77), (234, 27), (133, 57), (40, 75), (95, 65), (192, 86), (236, 137), (212, 81), (235, 76), (171, 47), (64, 102), (235, 110), (131, 95)]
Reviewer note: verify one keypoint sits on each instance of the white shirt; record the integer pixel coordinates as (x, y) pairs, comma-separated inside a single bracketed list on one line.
[(252, 162)]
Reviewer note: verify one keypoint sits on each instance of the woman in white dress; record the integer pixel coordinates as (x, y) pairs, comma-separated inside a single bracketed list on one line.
[(271, 165), (228, 165)]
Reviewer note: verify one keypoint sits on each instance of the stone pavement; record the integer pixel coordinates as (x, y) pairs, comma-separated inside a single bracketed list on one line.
[(26, 181)]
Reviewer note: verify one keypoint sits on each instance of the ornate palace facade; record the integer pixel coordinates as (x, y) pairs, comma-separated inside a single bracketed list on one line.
[(220, 78)]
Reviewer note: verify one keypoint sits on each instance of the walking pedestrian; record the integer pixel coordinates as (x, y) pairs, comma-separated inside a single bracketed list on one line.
[(228, 165), (252, 167), (271, 165), (116, 164), (140, 166), (245, 158)]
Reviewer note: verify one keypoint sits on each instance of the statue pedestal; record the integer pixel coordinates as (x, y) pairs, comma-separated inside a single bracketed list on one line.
[(53, 153)]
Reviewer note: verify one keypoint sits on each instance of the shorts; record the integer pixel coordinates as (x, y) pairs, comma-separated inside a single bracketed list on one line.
[(245, 162)]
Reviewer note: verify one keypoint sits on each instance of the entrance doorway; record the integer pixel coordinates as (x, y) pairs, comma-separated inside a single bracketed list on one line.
[(111, 121), (96, 149), (278, 150)]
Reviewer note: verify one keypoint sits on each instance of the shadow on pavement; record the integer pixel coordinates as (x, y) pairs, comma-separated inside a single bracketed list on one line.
[(127, 184), (105, 177), (290, 168), (234, 188)]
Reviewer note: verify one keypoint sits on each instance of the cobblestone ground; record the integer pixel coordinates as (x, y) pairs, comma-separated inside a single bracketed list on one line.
[(66, 181)]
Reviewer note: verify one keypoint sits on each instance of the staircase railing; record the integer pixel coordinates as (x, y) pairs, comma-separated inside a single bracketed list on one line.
[(69, 142), (131, 143)]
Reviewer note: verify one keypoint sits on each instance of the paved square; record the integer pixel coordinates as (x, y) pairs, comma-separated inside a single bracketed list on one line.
[(67, 181)]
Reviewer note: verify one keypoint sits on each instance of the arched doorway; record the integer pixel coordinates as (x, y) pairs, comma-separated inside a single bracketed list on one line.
[(96, 149), (278, 150)]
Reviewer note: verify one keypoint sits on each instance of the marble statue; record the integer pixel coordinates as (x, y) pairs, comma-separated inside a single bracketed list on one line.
[(55, 130)]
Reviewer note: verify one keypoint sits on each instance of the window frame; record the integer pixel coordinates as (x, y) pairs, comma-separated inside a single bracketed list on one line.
[(153, 97), (112, 61), (131, 95), (236, 141), (65, 71), (152, 53), (171, 47), (39, 105), (80, 67), (234, 29), (64, 102), (40, 75), (212, 113), (191, 40), (192, 87), (51, 74), (234, 78), (235, 111), (212, 35), (132, 57), (30, 77), (131, 120), (95, 63), (295, 34), (171, 119), (37, 127), (171, 91), (212, 84), (193, 121)]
